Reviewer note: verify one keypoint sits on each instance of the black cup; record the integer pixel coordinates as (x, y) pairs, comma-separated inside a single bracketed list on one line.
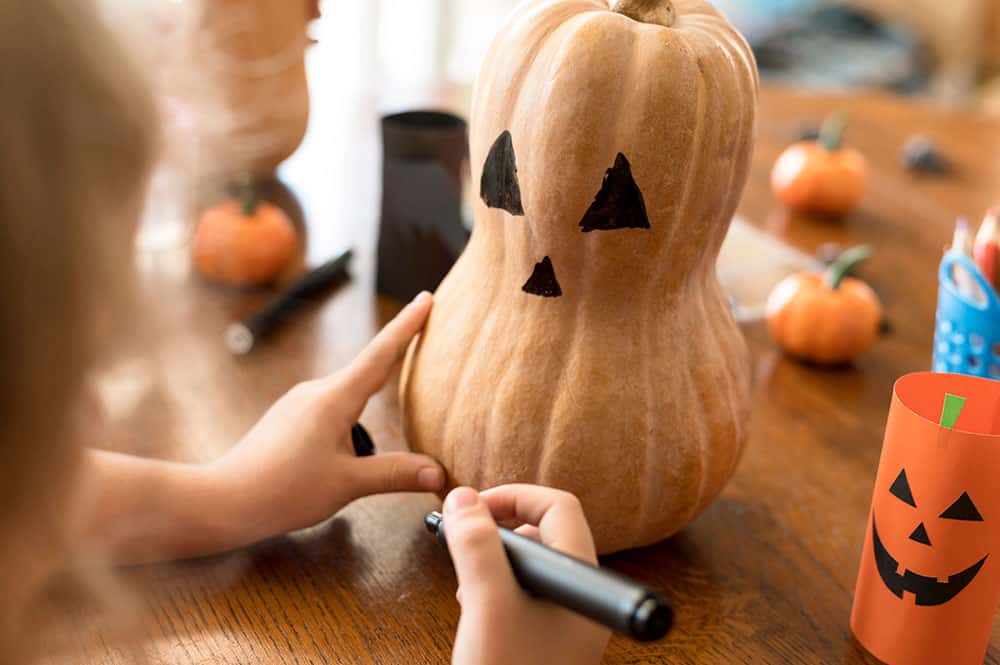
[(421, 234)]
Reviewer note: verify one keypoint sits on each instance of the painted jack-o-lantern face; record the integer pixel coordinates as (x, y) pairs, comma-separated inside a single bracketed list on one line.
[(618, 205), (926, 590)]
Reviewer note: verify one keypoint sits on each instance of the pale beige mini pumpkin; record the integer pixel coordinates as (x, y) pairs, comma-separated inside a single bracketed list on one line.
[(586, 344)]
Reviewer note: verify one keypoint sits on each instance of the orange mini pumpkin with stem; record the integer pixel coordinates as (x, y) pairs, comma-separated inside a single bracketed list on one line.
[(244, 242), (821, 177), (826, 318)]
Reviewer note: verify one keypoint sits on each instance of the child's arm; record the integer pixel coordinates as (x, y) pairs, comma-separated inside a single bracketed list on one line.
[(294, 469), (500, 622)]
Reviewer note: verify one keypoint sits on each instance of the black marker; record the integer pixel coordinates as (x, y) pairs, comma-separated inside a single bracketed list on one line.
[(242, 337), (600, 595)]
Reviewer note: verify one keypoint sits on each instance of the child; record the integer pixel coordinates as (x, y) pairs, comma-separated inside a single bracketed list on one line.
[(75, 128)]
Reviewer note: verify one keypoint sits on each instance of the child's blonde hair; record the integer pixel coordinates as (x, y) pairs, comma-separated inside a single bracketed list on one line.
[(77, 140)]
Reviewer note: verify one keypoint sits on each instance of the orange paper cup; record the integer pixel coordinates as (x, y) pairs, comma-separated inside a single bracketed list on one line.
[(930, 570)]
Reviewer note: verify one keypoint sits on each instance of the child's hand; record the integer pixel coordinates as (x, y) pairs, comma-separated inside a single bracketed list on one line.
[(297, 466), (500, 623)]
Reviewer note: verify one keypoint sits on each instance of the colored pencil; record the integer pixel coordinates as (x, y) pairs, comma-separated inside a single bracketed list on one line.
[(987, 249)]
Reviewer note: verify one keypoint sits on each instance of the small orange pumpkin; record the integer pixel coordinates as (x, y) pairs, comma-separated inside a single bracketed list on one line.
[(826, 318), (821, 177), (244, 243)]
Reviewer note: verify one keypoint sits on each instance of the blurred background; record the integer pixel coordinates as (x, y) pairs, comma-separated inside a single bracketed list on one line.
[(947, 50), (378, 57), (391, 55), (943, 49)]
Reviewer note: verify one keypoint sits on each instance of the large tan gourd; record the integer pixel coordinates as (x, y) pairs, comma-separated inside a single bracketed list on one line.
[(253, 51), (582, 340)]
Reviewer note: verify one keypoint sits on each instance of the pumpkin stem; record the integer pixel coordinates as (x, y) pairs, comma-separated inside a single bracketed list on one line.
[(831, 134), (844, 263), (248, 197), (659, 12)]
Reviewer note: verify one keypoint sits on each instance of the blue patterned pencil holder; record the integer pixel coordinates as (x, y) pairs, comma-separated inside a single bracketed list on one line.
[(967, 337)]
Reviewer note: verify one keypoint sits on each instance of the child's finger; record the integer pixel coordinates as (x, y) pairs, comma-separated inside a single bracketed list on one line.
[(394, 472), (557, 514), (370, 370), (529, 531), (476, 550)]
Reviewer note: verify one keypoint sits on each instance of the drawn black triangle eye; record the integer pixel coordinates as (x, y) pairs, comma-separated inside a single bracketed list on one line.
[(962, 509), (619, 204), (901, 489), (499, 186), (543, 280)]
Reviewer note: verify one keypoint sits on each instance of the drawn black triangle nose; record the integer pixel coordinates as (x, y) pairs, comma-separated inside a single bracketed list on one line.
[(920, 535)]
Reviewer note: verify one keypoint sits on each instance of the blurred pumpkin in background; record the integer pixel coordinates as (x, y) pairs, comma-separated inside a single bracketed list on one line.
[(826, 318), (253, 53), (244, 241), (822, 177)]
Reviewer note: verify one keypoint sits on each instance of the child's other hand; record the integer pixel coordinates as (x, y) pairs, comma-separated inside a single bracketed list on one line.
[(297, 466), (501, 624)]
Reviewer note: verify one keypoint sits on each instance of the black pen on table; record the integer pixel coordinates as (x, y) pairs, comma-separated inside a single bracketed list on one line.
[(598, 594), (243, 336)]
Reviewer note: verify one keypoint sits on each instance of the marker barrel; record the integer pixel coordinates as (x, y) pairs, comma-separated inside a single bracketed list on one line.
[(243, 336)]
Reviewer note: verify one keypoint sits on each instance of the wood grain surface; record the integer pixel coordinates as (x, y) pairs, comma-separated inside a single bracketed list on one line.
[(766, 575)]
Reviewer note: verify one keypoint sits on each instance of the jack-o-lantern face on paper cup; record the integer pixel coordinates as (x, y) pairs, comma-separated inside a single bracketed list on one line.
[(930, 570)]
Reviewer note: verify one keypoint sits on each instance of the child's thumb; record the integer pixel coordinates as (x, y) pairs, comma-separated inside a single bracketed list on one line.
[(475, 546), (396, 472)]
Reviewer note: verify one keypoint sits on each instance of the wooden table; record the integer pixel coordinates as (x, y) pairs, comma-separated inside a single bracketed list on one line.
[(766, 575)]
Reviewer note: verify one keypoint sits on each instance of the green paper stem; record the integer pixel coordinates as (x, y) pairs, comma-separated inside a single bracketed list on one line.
[(846, 262), (831, 134), (953, 405)]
